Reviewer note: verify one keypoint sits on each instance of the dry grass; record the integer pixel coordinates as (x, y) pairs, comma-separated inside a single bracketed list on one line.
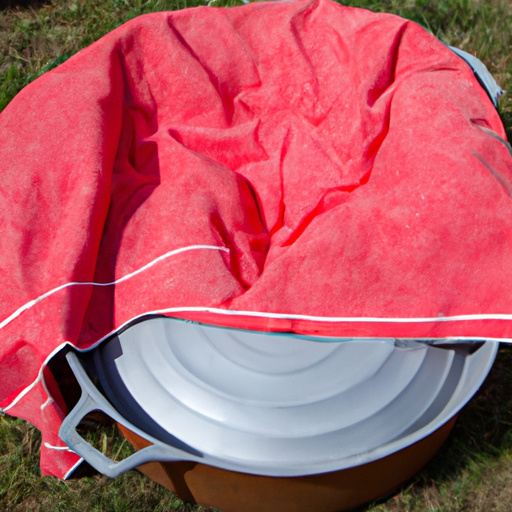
[(22, 488)]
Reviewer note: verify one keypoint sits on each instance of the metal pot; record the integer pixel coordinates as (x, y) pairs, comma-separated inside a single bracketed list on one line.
[(258, 421), (231, 491)]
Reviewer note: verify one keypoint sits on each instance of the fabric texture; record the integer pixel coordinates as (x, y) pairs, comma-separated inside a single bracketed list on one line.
[(297, 166)]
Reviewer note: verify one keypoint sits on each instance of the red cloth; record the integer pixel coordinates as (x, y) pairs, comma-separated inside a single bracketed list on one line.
[(349, 161)]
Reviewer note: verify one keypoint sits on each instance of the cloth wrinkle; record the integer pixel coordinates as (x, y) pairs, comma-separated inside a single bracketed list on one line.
[(234, 253), (388, 73), (310, 106), (225, 99), (494, 135), (282, 206), (502, 180)]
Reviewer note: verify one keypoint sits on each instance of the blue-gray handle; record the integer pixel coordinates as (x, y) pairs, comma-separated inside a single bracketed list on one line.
[(93, 400)]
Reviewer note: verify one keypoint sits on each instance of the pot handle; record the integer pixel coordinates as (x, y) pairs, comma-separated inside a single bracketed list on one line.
[(93, 400)]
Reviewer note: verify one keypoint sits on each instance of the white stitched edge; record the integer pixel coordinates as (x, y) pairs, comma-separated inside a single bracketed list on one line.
[(49, 401), (38, 378), (58, 448), (31, 303), (259, 314), (358, 319), (25, 391), (28, 305), (271, 315), (70, 471), (217, 311)]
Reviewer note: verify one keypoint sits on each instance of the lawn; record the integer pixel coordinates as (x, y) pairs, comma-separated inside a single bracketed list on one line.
[(473, 470)]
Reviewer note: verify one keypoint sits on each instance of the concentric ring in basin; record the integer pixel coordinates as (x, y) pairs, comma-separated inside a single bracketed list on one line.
[(316, 404)]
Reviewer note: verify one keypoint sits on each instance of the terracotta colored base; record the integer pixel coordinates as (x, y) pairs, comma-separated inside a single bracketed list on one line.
[(329, 492)]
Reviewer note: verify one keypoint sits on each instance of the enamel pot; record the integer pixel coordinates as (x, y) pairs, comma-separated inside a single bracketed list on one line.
[(249, 421)]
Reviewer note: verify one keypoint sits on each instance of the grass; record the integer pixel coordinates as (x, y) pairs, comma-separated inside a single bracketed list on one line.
[(472, 472), (22, 487)]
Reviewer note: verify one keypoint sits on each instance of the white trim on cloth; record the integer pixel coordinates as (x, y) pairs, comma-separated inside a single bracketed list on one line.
[(32, 303)]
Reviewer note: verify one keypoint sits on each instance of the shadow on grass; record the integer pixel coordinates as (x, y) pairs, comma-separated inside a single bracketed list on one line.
[(482, 432), (506, 117), (24, 4)]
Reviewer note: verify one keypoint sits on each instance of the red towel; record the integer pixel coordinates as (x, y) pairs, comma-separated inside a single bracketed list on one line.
[(294, 166)]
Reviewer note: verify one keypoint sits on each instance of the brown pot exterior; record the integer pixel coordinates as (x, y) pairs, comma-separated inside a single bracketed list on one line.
[(230, 491)]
